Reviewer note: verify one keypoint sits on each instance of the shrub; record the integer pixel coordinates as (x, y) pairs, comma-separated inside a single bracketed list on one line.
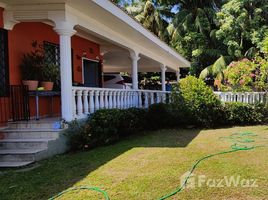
[(159, 116), (105, 127), (132, 120), (197, 100), (77, 137), (245, 114)]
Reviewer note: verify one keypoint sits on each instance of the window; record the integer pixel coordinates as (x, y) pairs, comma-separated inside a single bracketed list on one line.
[(4, 69), (52, 53)]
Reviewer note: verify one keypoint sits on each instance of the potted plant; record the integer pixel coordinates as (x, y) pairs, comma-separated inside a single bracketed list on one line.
[(31, 64), (50, 75)]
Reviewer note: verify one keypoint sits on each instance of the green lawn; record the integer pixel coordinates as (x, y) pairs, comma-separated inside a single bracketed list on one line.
[(146, 167)]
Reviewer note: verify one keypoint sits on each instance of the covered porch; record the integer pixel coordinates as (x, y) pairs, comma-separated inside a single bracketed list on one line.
[(124, 45)]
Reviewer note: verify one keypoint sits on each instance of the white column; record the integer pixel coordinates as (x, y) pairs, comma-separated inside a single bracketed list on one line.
[(146, 103), (140, 99), (134, 57), (128, 99), (122, 99), (118, 99), (125, 99), (97, 102), (152, 98), (163, 77), (158, 97), (101, 99), (114, 100), (85, 101), (91, 102), (65, 32), (133, 99), (79, 103), (106, 100), (178, 74), (164, 98), (137, 99), (74, 103), (111, 99)]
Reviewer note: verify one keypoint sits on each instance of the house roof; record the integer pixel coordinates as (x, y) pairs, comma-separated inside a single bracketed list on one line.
[(164, 44), (105, 20)]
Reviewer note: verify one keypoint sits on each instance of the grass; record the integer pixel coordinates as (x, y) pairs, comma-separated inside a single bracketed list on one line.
[(145, 167)]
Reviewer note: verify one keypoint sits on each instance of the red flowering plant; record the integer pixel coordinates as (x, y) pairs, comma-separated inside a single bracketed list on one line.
[(245, 75)]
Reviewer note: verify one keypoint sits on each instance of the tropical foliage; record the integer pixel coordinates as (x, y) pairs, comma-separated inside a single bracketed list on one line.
[(192, 32), (208, 33), (243, 24)]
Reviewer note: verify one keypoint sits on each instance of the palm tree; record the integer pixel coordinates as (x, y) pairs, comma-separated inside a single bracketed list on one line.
[(149, 15), (193, 31)]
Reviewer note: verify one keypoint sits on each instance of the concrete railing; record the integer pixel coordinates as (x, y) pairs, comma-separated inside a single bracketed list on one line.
[(243, 97), (87, 100)]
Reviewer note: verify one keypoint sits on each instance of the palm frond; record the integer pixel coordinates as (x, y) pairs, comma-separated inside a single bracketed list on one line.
[(206, 72), (215, 70)]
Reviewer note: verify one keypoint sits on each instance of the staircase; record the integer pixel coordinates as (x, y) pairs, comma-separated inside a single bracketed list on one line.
[(23, 143)]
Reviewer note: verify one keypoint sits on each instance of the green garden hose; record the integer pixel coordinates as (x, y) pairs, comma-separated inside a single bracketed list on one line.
[(239, 141), (82, 188)]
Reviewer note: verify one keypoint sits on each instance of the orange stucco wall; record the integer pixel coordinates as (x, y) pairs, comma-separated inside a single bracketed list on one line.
[(1, 17), (82, 48), (20, 39)]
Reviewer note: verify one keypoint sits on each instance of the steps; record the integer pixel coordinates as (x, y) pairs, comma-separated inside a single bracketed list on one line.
[(23, 143)]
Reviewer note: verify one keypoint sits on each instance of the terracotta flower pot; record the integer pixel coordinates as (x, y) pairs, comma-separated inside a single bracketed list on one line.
[(32, 84), (47, 85)]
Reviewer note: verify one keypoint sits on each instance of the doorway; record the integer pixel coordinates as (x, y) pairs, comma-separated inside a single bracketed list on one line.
[(91, 73)]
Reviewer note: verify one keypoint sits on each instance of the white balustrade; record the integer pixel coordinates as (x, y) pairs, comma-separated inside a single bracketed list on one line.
[(243, 97), (87, 100)]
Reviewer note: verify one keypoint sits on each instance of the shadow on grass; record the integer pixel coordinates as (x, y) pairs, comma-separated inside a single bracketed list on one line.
[(62, 172)]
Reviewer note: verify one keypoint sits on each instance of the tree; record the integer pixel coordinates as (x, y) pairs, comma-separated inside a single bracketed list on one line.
[(242, 25), (148, 13), (193, 32)]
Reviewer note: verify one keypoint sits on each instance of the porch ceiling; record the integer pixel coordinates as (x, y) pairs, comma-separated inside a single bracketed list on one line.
[(105, 21), (116, 58), (119, 61)]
